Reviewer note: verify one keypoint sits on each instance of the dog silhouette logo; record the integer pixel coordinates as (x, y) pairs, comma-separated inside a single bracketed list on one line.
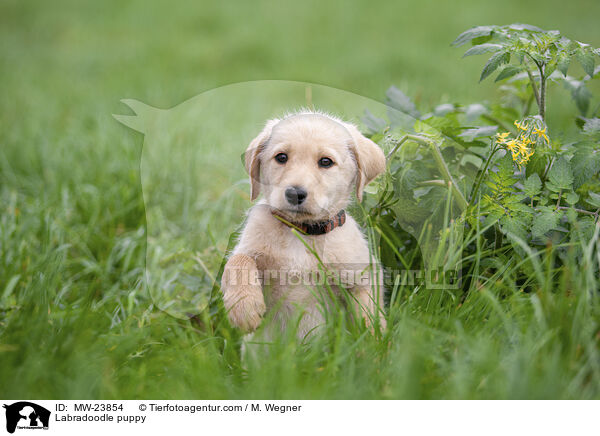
[(26, 415)]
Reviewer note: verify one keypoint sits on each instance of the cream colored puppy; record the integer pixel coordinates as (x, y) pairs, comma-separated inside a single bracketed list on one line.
[(306, 165)]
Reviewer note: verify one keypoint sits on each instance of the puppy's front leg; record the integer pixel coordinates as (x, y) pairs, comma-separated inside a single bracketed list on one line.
[(367, 304), (242, 292)]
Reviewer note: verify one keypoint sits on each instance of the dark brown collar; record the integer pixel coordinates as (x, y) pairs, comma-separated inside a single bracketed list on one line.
[(314, 229)]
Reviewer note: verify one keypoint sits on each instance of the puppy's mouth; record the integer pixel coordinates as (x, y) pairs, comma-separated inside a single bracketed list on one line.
[(296, 212), (299, 214)]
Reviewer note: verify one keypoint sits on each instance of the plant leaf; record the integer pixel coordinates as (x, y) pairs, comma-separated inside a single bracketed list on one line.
[(563, 64), (474, 111), (472, 33), (505, 167), (572, 198), (443, 109), (521, 26), (579, 93), (591, 126), (544, 222), (494, 62), (585, 164), (472, 159), (532, 186), (508, 71), (373, 123), (561, 174), (586, 59), (481, 49), (582, 98), (400, 101), (537, 164), (514, 226), (594, 199), (478, 132)]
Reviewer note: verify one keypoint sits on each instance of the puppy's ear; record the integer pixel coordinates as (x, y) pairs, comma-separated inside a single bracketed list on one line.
[(252, 158), (370, 159)]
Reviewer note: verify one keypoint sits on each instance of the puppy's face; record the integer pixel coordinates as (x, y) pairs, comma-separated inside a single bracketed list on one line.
[(307, 168), (308, 164)]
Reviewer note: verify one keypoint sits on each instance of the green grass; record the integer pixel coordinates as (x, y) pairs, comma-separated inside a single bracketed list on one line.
[(75, 320)]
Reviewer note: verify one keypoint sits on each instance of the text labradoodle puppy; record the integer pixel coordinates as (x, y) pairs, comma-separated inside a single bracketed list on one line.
[(306, 165)]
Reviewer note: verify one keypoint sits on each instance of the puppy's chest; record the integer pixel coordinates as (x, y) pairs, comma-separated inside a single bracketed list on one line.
[(290, 271), (285, 251), (292, 254)]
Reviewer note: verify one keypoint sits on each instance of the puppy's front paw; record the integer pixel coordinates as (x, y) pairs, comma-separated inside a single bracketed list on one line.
[(242, 292), (245, 306)]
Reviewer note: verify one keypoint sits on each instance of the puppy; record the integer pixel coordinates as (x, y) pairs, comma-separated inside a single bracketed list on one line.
[(306, 165)]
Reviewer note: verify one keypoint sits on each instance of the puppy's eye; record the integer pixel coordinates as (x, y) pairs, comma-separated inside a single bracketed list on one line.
[(325, 162), (281, 158)]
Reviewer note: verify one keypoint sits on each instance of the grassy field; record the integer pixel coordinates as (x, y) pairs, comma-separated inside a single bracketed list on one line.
[(75, 319)]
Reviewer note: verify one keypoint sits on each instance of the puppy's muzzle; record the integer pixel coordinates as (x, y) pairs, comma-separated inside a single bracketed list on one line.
[(295, 195)]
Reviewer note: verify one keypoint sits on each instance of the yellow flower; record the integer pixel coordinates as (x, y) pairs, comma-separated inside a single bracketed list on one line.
[(501, 137), (521, 126), (541, 133), (511, 145), (517, 146), (525, 155), (526, 141), (522, 148)]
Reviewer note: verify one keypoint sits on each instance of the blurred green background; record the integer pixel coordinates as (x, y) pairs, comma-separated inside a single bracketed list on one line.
[(87, 54), (72, 224)]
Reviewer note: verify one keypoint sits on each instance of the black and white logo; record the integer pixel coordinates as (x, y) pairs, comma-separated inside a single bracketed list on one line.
[(26, 415)]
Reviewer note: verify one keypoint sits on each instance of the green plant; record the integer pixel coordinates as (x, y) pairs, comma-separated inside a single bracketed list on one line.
[(534, 52), (532, 202), (511, 182)]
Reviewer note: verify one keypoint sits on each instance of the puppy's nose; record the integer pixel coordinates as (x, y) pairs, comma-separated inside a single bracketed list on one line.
[(295, 195)]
